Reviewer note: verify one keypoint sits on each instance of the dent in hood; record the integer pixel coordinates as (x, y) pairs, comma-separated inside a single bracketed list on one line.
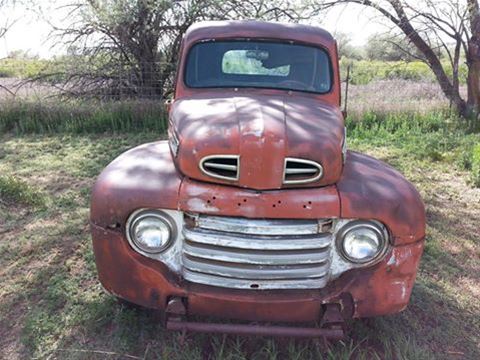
[(263, 131)]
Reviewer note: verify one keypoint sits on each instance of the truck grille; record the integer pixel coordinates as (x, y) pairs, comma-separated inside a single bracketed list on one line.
[(221, 166), (256, 254)]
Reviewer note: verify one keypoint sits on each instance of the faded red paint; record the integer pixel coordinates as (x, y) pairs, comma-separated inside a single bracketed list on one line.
[(264, 127), (263, 130), (382, 194), (382, 289)]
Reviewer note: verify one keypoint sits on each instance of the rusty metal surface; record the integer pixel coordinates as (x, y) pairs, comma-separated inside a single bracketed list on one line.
[(258, 330), (262, 130), (381, 289), (371, 189), (262, 127), (223, 200), (260, 30), (143, 177)]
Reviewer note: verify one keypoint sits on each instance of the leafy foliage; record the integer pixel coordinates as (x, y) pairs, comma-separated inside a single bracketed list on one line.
[(366, 71)]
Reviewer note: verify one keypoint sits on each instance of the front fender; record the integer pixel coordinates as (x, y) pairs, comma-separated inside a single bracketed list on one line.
[(143, 177), (371, 189)]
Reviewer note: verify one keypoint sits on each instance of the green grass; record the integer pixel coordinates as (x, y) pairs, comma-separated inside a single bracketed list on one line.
[(50, 117), (365, 71), (52, 306), (14, 191)]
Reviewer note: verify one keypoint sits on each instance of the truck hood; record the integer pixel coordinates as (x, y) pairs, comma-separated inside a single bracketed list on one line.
[(258, 133)]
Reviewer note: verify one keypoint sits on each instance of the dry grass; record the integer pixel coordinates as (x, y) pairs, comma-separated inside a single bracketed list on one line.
[(52, 306), (395, 96)]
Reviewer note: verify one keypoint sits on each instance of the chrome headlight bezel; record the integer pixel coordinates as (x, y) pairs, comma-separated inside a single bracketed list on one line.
[(141, 214), (376, 227)]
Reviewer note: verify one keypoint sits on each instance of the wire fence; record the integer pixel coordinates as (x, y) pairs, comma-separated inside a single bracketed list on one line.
[(55, 81), (42, 80)]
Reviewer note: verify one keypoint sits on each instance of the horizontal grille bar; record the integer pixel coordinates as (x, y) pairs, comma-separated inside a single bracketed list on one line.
[(260, 226), (255, 272), (213, 165), (261, 257), (243, 241), (293, 171), (215, 280)]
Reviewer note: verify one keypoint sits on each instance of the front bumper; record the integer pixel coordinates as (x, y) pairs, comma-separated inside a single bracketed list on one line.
[(377, 290)]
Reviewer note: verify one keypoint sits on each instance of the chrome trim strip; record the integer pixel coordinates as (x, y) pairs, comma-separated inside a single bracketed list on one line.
[(209, 173), (300, 171), (220, 166), (286, 172), (254, 284), (259, 257), (256, 272), (240, 241), (258, 226)]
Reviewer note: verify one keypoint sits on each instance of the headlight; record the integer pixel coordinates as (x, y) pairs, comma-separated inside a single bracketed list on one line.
[(150, 230), (362, 242)]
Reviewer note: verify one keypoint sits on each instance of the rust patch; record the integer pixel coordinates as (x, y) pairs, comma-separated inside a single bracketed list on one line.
[(373, 291)]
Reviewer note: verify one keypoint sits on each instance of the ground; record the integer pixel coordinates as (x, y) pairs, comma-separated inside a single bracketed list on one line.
[(52, 305)]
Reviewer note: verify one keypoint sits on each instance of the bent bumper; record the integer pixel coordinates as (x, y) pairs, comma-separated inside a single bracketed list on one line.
[(381, 289)]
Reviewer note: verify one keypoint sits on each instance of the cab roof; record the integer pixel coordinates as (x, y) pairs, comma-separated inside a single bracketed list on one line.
[(208, 30)]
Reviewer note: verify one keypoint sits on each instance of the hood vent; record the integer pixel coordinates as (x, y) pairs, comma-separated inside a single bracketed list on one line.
[(301, 171), (221, 166)]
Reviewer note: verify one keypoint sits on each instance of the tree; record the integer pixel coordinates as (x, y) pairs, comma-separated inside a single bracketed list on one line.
[(345, 47), (6, 23), (390, 47), (137, 41), (454, 25)]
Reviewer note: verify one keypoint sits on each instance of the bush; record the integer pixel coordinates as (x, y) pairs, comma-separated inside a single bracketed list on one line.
[(475, 172)]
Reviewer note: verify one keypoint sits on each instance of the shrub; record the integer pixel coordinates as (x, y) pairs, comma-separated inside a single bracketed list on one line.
[(365, 71)]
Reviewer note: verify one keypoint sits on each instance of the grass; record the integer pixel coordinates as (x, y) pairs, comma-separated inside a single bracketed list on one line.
[(14, 191), (52, 306), (475, 165), (50, 117)]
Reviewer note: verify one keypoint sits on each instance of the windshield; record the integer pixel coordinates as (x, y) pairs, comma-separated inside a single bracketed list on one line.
[(258, 64)]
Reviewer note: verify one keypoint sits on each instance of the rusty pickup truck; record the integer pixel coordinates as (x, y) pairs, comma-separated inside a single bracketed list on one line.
[(254, 210)]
